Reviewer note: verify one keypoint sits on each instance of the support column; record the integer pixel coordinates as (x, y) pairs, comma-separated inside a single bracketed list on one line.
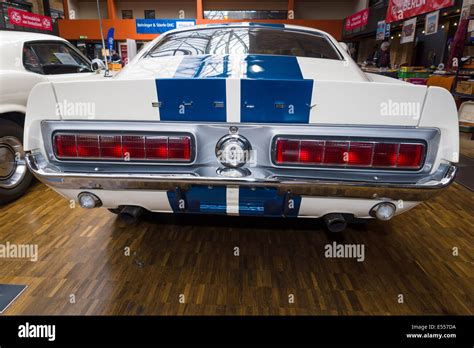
[(66, 9), (46, 8), (199, 9), (111, 11), (291, 9)]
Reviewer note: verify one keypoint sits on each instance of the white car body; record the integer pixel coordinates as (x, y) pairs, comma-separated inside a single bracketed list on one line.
[(16, 83), (342, 102), (16, 80)]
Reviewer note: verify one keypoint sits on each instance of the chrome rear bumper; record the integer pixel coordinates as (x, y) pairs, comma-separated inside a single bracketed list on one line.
[(420, 191)]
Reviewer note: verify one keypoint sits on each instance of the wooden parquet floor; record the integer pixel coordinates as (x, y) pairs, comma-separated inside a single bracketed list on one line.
[(83, 267)]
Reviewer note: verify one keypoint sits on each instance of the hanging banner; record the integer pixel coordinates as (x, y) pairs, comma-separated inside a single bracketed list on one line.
[(402, 9), (110, 40), (431, 23), (159, 26), (29, 20), (357, 20), (380, 35), (408, 31)]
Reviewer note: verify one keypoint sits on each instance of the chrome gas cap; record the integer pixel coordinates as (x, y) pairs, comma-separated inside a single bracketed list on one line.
[(233, 150)]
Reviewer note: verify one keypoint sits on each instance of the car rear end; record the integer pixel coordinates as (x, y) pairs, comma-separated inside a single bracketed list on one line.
[(244, 134)]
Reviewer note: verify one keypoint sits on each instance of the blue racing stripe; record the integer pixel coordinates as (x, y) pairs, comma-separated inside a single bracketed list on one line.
[(204, 66), (192, 100), (271, 25), (275, 101), (201, 199), (266, 202), (272, 90), (275, 91), (273, 67)]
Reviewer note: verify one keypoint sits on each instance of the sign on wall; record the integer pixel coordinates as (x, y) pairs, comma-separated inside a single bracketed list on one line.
[(29, 20), (380, 34), (159, 26), (402, 9), (408, 31), (357, 20), (383, 31), (431, 23)]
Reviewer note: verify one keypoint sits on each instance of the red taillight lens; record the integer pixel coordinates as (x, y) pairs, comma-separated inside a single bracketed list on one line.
[(157, 148), (336, 152), (179, 148), (287, 151), (111, 146), (360, 153), (122, 147), (65, 145), (88, 146), (385, 155), (410, 155), (133, 147), (370, 154), (311, 151)]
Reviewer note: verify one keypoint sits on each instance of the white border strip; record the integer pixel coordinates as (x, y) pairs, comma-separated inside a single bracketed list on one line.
[(232, 95), (232, 199)]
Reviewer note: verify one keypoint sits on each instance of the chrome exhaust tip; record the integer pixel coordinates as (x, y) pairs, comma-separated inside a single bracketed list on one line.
[(88, 200), (383, 211)]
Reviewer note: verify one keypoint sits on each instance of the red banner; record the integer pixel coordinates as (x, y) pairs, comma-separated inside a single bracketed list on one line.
[(402, 9), (357, 20), (30, 20)]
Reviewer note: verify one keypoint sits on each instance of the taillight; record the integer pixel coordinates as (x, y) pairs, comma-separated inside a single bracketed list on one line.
[(65, 145), (348, 153), (129, 147)]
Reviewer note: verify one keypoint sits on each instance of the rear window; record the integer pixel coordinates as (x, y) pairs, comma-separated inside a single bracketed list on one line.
[(53, 57), (246, 41)]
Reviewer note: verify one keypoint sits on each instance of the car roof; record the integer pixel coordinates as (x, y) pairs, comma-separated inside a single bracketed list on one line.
[(249, 24), (280, 26), (10, 36)]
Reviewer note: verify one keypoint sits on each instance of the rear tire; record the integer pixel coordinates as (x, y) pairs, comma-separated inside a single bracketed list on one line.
[(115, 210), (15, 178)]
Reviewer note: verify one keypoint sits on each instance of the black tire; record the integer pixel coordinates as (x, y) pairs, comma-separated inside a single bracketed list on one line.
[(9, 128)]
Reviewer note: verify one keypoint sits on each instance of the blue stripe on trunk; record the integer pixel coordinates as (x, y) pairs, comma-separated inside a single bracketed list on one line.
[(191, 100), (275, 101), (273, 90)]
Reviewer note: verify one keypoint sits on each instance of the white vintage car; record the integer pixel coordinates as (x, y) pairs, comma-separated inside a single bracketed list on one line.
[(27, 59), (244, 119)]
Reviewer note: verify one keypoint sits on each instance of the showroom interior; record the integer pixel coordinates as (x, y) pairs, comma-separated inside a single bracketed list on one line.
[(94, 262)]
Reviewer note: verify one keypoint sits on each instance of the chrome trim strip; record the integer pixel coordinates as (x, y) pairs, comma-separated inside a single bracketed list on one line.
[(420, 191)]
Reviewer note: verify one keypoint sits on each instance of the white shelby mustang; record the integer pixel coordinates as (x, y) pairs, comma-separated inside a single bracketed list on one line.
[(245, 119)]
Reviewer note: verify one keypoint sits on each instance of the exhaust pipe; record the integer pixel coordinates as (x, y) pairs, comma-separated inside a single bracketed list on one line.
[(131, 213), (335, 222)]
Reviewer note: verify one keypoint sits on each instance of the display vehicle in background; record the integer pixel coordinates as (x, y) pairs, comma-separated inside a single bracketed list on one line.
[(26, 60), (245, 119)]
